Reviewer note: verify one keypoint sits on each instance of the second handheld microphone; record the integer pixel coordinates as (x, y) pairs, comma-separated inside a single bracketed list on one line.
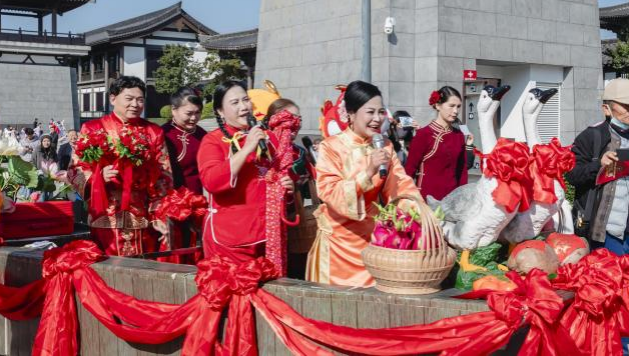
[(378, 142), (253, 123)]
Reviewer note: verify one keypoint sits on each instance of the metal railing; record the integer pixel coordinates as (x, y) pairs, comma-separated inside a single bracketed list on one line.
[(21, 35)]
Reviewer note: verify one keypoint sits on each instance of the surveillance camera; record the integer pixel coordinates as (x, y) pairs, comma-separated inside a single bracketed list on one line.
[(389, 24)]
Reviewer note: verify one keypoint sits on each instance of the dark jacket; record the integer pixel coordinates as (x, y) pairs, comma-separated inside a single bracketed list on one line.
[(65, 156), (583, 176)]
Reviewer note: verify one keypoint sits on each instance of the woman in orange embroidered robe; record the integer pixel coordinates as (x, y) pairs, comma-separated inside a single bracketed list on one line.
[(118, 231), (348, 182), (234, 175)]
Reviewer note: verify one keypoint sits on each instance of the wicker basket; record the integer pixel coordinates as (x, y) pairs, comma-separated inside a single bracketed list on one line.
[(301, 237), (411, 271)]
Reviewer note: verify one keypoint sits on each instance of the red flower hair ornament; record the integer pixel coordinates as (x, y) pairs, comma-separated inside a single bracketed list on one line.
[(434, 98)]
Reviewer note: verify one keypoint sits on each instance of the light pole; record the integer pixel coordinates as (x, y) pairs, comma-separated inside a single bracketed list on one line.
[(366, 21)]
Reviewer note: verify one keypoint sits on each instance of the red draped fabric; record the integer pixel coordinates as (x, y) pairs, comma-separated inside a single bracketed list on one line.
[(598, 316), (590, 324)]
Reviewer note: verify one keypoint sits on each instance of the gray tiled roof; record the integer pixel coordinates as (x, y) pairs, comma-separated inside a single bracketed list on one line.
[(42, 5), (142, 25), (236, 41), (621, 10)]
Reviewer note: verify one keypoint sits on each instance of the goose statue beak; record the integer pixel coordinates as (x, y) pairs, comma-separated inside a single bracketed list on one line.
[(547, 94), (543, 95), (496, 93)]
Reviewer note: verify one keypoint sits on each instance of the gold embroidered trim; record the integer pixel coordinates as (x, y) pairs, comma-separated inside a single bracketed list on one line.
[(120, 220)]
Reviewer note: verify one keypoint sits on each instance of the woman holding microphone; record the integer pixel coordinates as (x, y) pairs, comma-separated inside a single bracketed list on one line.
[(232, 170), (349, 182)]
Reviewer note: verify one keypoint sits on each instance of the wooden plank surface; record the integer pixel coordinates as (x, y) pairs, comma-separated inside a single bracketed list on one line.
[(355, 307)]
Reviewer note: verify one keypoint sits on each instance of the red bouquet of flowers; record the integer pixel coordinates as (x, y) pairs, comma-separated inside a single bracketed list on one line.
[(134, 145), (90, 149)]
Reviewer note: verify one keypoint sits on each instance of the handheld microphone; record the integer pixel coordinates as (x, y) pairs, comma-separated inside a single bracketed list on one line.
[(378, 142), (307, 142), (253, 123)]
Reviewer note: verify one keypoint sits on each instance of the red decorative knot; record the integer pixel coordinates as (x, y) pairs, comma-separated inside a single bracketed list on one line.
[(218, 279), (534, 301), (553, 159), (598, 281), (180, 204), (434, 98), (75, 255)]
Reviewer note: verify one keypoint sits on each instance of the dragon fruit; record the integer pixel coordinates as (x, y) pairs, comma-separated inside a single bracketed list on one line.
[(398, 229)]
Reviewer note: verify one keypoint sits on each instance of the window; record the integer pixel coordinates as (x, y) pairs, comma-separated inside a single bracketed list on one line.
[(86, 102), (548, 121), (113, 59), (152, 61), (100, 104), (85, 66), (99, 64)]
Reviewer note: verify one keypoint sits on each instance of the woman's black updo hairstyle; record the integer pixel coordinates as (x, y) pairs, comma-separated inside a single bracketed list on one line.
[(358, 93), (445, 93), (188, 94), (219, 95)]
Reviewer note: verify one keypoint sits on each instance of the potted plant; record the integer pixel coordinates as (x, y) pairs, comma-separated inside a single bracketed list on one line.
[(406, 256), (32, 202)]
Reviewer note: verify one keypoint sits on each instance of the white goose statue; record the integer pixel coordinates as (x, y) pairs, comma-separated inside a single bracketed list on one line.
[(472, 218), (528, 224)]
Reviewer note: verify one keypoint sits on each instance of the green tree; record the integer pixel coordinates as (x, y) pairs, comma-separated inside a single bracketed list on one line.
[(208, 111), (177, 68), (221, 69), (620, 57)]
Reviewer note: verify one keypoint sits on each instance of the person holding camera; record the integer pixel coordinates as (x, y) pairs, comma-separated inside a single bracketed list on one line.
[(601, 180)]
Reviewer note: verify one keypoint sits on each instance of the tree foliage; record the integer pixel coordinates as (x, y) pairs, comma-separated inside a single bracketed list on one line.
[(177, 68), (166, 112), (208, 111), (221, 69), (620, 57)]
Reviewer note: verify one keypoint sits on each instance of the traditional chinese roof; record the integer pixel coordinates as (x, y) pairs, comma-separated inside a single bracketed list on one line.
[(41, 6), (611, 15), (144, 25), (236, 41)]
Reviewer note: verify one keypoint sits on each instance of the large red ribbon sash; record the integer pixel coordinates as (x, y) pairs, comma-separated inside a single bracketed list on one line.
[(589, 324)]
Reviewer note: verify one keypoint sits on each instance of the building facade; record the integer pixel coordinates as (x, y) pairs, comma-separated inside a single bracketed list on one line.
[(306, 47), (37, 67), (133, 47)]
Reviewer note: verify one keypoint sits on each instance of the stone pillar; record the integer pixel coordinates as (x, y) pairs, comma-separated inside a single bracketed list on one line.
[(40, 24), (54, 22)]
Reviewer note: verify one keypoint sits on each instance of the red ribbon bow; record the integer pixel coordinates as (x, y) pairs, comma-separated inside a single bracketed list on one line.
[(598, 315), (549, 162), (180, 204), (59, 325), (217, 279), (75, 255), (508, 163)]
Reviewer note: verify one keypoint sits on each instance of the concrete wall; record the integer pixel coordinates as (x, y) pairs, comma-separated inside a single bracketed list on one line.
[(308, 46), (34, 91)]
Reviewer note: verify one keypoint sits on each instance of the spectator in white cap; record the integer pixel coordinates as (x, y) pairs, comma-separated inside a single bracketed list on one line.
[(601, 207)]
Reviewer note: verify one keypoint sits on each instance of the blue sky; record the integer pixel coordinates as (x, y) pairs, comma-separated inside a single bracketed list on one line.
[(219, 15)]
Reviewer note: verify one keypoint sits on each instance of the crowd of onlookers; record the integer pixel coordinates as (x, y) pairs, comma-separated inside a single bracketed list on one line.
[(41, 148)]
